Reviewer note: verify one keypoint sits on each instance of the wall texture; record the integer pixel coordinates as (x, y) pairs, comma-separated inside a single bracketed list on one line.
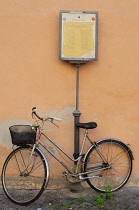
[(31, 74)]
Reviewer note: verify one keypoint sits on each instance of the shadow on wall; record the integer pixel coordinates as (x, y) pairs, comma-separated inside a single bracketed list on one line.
[(65, 113), (5, 137)]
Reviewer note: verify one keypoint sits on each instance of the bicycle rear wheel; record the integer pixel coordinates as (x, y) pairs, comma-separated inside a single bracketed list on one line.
[(23, 185), (115, 171)]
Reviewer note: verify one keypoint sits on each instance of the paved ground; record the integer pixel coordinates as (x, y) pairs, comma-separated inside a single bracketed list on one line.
[(62, 199)]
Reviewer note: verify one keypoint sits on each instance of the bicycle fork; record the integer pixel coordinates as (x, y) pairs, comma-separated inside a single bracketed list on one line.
[(26, 171)]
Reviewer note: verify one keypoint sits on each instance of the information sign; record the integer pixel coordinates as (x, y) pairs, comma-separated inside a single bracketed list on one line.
[(78, 35)]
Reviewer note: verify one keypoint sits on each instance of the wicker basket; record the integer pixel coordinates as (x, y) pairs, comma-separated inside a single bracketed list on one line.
[(22, 135)]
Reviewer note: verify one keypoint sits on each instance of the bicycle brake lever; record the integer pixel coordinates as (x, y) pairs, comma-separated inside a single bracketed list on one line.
[(53, 122)]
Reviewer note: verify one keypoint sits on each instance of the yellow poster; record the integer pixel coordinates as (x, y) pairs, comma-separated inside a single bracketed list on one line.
[(77, 38)]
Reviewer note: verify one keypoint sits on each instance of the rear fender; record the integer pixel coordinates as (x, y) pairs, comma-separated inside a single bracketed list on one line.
[(127, 147)]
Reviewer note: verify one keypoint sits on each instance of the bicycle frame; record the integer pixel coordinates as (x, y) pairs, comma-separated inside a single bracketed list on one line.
[(25, 173), (77, 160)]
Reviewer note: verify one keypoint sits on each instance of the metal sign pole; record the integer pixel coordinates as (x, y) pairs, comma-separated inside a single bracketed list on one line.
[(78, 44), (77, 113), (77, 187)]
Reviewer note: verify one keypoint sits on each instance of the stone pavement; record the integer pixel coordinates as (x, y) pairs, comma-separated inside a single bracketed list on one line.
[(126, 198)]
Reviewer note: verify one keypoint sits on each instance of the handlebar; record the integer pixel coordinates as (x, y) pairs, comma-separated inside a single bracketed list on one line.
[(34, 110)]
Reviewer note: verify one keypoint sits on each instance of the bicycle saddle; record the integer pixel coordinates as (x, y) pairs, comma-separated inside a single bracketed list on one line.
[(89, 125)]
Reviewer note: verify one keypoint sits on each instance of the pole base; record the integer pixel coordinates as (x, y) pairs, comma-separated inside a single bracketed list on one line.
[(76, 188)]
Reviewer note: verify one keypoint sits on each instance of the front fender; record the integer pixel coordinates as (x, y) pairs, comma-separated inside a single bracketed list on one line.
[(47, 167)]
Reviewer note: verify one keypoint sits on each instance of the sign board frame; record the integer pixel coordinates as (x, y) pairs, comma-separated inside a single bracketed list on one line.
[(78, 35)]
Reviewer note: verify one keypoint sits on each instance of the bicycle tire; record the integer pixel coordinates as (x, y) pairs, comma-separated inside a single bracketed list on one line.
[(119, 158), (20, 185)]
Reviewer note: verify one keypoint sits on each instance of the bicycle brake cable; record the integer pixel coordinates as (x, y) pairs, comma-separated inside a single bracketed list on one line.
[(51, 120)]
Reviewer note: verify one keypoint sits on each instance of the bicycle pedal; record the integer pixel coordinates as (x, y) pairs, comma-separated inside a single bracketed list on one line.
[(82, 178), (64, 174)]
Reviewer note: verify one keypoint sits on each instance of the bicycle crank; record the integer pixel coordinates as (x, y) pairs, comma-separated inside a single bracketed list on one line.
[(71, 177)]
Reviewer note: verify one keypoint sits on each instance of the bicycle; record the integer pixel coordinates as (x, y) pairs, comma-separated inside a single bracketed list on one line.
[(25, 173)]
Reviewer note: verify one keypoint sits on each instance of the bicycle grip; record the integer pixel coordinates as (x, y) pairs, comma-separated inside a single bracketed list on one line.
[(57, 119), (34, 109)]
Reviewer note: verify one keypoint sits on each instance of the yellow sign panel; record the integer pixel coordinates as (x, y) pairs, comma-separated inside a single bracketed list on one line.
[(77, 39), (78, 35)]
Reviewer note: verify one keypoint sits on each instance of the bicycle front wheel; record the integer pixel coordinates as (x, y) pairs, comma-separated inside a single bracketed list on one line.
[(114, 172), (24, 177)]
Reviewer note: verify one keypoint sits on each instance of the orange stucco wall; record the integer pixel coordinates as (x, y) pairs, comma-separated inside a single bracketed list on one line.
[(31, 74)]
